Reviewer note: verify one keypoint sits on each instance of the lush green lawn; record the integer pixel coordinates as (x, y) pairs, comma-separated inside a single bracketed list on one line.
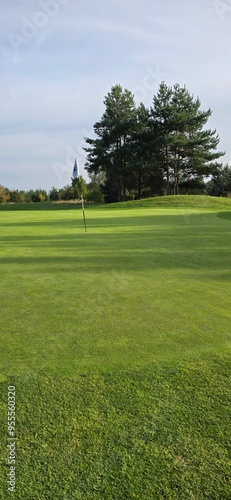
[(118, 343)]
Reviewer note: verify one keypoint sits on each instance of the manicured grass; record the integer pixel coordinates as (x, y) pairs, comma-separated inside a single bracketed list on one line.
[(118, 343), (140, 286), (162, 432)]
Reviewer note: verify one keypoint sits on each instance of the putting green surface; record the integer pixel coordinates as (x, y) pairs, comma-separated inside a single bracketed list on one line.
[(118, 344), (140, 286)]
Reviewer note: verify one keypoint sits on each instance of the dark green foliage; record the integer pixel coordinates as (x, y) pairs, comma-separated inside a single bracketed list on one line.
[(144, 170), (39, 195), (16, 196), (28, 196), (146, 152), (66, 193), (109, 152), (95, 188), (220, 184), (79, 188), (95, 196), (54, 194), (195, 185), (35, 198), (187, 150)]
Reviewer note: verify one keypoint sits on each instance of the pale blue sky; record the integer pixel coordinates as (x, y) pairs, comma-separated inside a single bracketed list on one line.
[(59, 58)]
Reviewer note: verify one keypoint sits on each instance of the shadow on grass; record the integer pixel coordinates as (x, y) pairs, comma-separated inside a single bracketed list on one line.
[(224, 215), (133, 262), (126, 255), (38, 206), (125, 243), (139, 221)]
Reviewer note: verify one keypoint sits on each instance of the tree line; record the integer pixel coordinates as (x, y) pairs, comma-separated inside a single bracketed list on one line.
[(91, 192), (218, 185), (139, 152), (164, 149)]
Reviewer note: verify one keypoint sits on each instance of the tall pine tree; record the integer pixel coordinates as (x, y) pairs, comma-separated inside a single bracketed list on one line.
[(187, 150), (144, 152), (109, 152)]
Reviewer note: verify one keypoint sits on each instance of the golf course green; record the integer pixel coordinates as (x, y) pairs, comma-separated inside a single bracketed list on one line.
[(117, 341)]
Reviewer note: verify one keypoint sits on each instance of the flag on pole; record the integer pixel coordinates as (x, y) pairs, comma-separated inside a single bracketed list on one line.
[(75, 169), (84, 218), (75, 175)]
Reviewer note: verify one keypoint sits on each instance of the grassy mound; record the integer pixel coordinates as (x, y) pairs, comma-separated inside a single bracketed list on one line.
[(182, 201)]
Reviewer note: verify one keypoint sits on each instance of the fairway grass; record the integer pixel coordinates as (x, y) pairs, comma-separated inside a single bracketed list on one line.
[(118, 343), (139, 287)]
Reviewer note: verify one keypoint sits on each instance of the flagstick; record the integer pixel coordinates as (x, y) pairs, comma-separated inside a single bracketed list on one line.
[(75, 176), (84, 218)]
